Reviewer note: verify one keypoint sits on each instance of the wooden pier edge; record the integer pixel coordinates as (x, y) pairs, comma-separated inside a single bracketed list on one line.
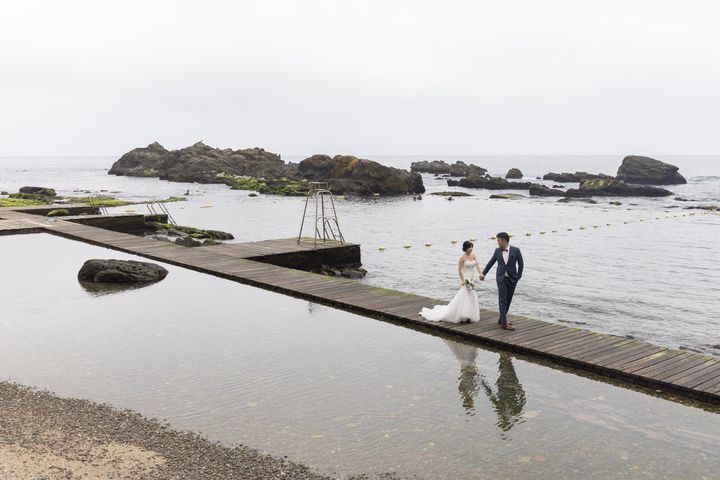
[(632, 361)]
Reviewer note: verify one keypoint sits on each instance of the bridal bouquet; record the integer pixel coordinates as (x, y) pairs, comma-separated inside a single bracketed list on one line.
[(469, 284)]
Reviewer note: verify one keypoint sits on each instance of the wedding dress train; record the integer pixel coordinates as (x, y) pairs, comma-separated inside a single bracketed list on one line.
[(463, 307)]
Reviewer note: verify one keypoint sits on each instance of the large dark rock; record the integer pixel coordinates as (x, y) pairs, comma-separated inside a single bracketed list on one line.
[(457, 169), (616, 188), (348, 174), (140, 162), (43, 191), (648, 171), (514, 173), (198, 163), (121, 271), (488, 182), (577, 177)]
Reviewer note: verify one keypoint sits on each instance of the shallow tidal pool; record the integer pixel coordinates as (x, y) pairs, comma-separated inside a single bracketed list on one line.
[(337, 391)]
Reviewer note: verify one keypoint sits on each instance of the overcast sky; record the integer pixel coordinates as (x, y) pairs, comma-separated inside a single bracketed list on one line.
[(361, 77)]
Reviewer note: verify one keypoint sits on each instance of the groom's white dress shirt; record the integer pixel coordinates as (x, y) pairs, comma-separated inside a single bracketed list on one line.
[(506, 256)]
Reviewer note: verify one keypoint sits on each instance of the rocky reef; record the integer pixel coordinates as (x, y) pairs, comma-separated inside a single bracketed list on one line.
[(601, 187), (265, 172), (348, 174), (648, 171), (576, 177), (488, 182), (439, 167)]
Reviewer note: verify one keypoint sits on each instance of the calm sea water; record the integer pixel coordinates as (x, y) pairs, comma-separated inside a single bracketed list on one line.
[(656, 277), (340, 392)]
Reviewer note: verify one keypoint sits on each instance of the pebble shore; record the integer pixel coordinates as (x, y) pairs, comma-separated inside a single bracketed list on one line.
[(48, 437)]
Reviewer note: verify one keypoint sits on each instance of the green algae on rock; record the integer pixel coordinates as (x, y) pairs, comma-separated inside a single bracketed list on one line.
[(508, 196), (191, 231), (60, 212), (451, 194), (281, 186)]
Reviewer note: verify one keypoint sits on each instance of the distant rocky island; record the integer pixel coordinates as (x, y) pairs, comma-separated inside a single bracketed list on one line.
[(636, 177), (265, 172)]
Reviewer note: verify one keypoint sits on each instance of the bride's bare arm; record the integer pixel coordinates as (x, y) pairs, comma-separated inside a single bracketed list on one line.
[(460, 269)]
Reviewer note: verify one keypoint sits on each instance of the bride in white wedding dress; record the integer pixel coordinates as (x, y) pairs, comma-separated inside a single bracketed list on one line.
[(464, 305)]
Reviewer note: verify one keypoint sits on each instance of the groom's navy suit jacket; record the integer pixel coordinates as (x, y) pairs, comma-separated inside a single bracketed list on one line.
[(514, 267)]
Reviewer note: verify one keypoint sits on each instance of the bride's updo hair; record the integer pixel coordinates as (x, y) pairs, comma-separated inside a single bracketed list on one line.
[(467, 245)]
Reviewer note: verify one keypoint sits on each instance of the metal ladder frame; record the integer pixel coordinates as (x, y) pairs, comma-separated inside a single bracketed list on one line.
[(161, 210), (325, 225)]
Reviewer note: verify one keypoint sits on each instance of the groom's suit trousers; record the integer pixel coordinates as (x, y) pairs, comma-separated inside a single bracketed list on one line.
[(506, 290)]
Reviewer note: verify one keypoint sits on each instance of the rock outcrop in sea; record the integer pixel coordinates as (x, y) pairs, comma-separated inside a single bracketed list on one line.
[(648, 171), (576, 177), (348, 174), (514, 173), (439, 167), (488, 182), (121, 271), (258, 169), (601, 187)]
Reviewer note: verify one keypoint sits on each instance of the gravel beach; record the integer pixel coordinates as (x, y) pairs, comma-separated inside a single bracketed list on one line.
[(43, 436)]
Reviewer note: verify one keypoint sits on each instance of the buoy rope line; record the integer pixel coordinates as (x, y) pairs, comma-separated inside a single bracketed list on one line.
[(408, 246)]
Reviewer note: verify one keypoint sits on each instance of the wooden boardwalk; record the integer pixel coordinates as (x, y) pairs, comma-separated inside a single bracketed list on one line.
[(680, 372)]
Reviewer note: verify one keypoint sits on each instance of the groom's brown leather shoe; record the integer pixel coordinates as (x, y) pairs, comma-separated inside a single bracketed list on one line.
[(507, 326)]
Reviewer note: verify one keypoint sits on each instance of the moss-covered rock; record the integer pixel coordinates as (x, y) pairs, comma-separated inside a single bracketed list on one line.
[(108, 201), (451, 194), (191, 231), (29, 196), (19, 202), (281, 186), (101, 201), (508, 196), (60, 212)]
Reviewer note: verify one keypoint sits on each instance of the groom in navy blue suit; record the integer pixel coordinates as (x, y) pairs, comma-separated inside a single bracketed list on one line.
[(508, 273)]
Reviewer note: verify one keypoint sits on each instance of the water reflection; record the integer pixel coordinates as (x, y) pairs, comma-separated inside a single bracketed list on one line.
[(97, 289), (507, 398)]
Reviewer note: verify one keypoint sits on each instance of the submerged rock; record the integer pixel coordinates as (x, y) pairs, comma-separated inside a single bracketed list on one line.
[(121, 271), (439, 167), (648, 171), (581, 199), (507, 196), (452, 194)]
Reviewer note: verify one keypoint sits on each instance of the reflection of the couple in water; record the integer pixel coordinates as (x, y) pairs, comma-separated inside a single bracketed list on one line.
[(507, 397)]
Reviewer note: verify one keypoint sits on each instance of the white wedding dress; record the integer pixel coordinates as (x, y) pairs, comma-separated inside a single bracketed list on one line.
[(463, 307)]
